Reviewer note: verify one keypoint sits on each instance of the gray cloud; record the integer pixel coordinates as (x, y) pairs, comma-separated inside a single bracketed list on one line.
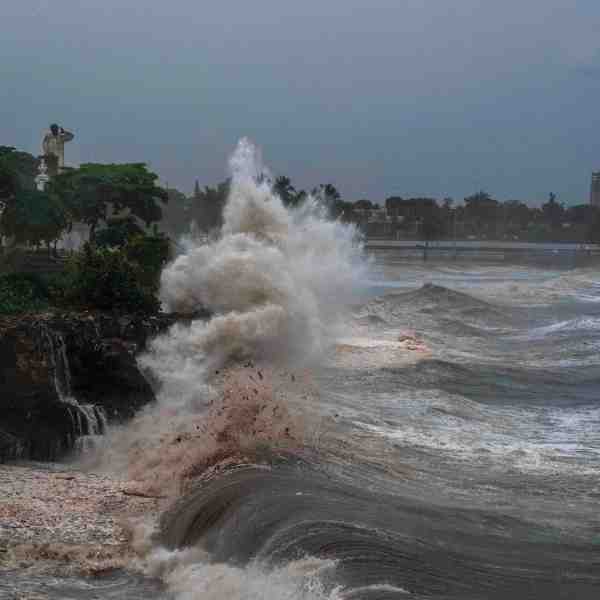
[(381, 97)]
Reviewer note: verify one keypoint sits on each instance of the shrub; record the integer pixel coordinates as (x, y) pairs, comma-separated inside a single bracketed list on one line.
[(150, 253), (117, 232), (107, 279), (22, 292)]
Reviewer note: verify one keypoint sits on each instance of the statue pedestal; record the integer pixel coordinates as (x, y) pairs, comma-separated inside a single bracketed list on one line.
[(42, 177)]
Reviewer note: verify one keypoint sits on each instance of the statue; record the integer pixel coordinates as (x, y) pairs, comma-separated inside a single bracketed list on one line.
[(53, 148)]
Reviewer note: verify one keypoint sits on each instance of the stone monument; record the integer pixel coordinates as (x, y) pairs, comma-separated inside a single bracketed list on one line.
[(53, 148), (42, 177)]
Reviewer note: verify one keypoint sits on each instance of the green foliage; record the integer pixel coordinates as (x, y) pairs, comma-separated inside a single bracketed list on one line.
[(17, 172), (22, 292), (91, 191), (553, 211), (287, 192), (150, 253), (328, 192), (364, 204), (117, 233), (33, 217), (206, 207), (107, 279), (481, 207), (176, 219)]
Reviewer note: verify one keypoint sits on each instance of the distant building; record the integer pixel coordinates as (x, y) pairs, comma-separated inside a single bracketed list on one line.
[(595, 191)]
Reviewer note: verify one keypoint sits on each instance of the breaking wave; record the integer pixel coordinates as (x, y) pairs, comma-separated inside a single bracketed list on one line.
[(275, 279)]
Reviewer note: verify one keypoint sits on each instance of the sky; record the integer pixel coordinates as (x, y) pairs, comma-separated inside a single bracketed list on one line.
[(380, 97)]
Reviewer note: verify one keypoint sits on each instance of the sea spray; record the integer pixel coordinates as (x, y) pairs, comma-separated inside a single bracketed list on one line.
[(276, 280)]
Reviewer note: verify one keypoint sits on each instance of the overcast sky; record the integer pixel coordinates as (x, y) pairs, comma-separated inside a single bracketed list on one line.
[(380, 97)]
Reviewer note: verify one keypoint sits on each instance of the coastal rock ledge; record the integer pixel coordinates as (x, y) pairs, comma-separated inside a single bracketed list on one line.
[(65, 375)]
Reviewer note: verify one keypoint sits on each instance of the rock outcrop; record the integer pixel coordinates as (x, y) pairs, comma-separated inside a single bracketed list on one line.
[(65, 375)]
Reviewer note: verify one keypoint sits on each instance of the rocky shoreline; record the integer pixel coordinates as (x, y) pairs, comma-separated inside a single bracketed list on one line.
[(63, 521), (66, 374), (50, 512)]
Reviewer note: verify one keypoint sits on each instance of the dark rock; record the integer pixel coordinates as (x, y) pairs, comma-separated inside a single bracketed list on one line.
[(46, 359)]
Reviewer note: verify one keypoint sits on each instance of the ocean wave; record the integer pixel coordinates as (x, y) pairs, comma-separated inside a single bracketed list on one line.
[(585, 324), (364, 544), (434, 303), (493, 383)]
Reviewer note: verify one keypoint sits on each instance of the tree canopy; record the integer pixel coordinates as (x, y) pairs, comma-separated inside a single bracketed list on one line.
[(33, 217), (17, 172), (206, 206), (94, 192), (27, 215)]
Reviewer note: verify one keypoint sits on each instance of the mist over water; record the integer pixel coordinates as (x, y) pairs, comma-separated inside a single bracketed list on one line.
[(275, 279)]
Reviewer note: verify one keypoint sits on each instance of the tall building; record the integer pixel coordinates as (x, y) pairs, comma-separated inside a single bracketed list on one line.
[(595, 191)]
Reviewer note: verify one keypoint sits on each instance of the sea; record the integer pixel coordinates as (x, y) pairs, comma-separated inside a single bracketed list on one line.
[(452, 446)]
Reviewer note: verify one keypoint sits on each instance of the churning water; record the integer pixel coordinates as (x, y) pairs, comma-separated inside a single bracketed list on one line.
[(444, 420)]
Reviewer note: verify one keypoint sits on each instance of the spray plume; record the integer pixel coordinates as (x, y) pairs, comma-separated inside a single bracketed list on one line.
[(275, 280)]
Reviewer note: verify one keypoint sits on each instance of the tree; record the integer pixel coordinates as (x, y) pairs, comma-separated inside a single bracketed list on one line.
[(285, 190), (17, 172), (176, 218), (553, 211), (517, 216), (27, 214), (150, 253), (91, 192), (482, 210), (33, 217), (330, 197), (117, 232), (108, 280), (327, 192), (206, 208), (365, 204)]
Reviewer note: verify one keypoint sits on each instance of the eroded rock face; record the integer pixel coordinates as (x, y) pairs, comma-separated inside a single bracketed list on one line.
[(64, 375)]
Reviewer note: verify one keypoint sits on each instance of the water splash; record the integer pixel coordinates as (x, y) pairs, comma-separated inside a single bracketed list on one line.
[(276, 280)]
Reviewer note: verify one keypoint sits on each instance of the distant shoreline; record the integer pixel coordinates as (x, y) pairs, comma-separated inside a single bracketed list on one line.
[(482, 245), (559, 253), (449, 242)]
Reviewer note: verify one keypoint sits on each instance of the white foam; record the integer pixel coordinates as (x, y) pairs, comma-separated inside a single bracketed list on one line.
[(191, 576), (275, 278)]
